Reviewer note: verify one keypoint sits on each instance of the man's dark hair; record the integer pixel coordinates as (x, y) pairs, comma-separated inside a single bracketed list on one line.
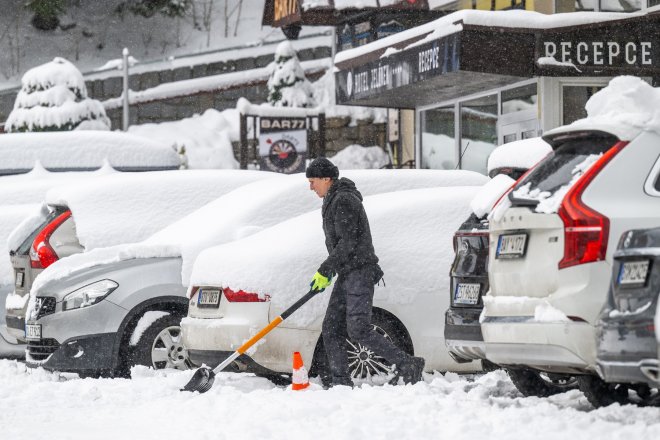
[(322, 167)]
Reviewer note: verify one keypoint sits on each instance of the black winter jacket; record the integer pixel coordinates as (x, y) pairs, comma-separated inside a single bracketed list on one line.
[(347, 233)]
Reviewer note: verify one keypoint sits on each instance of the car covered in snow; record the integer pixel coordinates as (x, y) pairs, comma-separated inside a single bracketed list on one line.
[(553, 237), (143, 285), (113, 209), (237, 288), (83, 150), (627, 355), (469, 270)]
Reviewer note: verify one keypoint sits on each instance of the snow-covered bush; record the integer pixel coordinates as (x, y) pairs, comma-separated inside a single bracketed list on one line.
[(53, 97), (287, 85)]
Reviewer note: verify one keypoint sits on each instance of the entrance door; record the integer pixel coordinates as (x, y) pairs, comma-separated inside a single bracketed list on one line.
[(515, 131)]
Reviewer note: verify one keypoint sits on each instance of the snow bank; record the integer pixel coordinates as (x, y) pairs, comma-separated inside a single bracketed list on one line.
[(522, 154), (126, 208), (205, 139), (627, 106), (411, 230), (358, 157), (255, 408), (80, 150)]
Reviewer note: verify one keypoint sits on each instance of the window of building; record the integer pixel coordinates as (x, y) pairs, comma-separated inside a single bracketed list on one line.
[(604, 5), (478, 132), (438, 145), (519, 99), (574, 98)]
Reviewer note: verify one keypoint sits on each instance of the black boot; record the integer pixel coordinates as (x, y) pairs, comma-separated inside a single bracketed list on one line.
[(410, 372)]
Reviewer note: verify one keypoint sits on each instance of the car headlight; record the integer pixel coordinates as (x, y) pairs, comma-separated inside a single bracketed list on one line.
[(88, 295)]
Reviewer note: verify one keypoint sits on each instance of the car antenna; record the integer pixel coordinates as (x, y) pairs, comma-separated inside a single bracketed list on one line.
[(460, 158)]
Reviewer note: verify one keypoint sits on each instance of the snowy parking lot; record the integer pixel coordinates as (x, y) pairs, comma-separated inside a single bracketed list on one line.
[(35, 404)]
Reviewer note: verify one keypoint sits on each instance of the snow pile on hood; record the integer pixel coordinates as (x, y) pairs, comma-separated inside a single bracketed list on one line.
[(522, 154), (358, 157), (204, 139), (10, 217), (490, 193), (84, 150), (126, 208), (627, 106), (412, 232)]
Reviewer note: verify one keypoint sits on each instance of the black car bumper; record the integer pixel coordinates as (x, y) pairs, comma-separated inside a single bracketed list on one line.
[(627, 351), (85, 354), (463, 336)]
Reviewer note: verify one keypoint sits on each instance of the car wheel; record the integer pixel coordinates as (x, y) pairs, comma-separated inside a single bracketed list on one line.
[(364, 364), (539, 384), (160, 346), (600, 393)]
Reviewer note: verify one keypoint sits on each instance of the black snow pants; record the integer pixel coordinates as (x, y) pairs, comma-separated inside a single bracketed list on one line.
[(349, 316)]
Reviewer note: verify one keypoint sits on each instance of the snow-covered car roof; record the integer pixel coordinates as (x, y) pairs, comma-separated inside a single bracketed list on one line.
[(625, 108), (129, 207), (246, 211), (83, 150), (522, 154), (412, 235)]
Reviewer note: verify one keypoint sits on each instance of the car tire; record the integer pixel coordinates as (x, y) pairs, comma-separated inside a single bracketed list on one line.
[(600, 393), (389, 327), (533, 383), (160, 346)]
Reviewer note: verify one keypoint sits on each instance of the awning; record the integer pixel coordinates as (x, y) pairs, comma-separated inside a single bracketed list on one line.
[(463, 53)]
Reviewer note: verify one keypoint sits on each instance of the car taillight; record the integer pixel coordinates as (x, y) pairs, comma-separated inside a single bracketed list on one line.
[(585, 230), (242, 296), (42, 253), (193, 290)]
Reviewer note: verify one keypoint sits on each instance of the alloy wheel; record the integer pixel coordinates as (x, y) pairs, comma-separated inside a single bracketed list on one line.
[(167, 350), (364, 364)]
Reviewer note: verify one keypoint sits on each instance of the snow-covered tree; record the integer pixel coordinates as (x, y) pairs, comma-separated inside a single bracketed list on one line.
[(53, 97), (287, 85)]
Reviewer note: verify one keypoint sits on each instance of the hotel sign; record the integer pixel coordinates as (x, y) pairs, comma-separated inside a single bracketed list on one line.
[(399, 69)]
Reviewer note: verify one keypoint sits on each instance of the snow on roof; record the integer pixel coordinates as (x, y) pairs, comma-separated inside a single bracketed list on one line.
[(522, 154), (348, 4), (246, 211), (128, 207), (506, 19), (211, 83), (71, 150), (626, 107), (411, 231)]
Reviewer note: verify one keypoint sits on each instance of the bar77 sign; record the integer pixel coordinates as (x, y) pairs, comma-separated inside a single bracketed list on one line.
[(282, 144)]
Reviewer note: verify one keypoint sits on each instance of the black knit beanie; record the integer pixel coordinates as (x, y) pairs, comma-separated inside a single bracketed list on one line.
[(322, 167)]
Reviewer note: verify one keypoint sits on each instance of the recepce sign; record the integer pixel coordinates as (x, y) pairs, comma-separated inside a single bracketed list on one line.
[(601, 53)]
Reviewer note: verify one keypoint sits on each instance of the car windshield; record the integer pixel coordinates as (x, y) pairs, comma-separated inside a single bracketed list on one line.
[(559, 168)]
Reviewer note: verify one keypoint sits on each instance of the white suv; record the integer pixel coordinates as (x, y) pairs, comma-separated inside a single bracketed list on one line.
[(551, 246)]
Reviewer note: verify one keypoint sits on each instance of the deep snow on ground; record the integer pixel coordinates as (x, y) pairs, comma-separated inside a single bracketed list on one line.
[(35, 405)]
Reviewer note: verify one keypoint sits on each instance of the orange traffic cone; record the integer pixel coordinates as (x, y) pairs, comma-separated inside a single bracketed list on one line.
[(300, 380)]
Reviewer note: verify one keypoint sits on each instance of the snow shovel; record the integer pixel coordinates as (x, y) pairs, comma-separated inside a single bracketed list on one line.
[(203, 378)]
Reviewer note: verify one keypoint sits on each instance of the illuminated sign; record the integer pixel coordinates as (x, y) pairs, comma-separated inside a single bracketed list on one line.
[(286, 12)]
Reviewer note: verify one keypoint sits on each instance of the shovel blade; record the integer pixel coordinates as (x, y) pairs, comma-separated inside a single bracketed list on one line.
[(201, 381)]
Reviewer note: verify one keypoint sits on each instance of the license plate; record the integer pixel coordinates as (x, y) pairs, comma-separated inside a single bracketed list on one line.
[(19, 278), (467, 293), (33, 332), (633, 272), (208, 298), (511, 246)]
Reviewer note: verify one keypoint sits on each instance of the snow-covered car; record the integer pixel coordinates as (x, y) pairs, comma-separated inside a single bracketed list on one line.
[(21, 196), (103, 335), (551, 244), (627, 354), (83, 151), (469, 270), (237, 288), (114, 209)]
